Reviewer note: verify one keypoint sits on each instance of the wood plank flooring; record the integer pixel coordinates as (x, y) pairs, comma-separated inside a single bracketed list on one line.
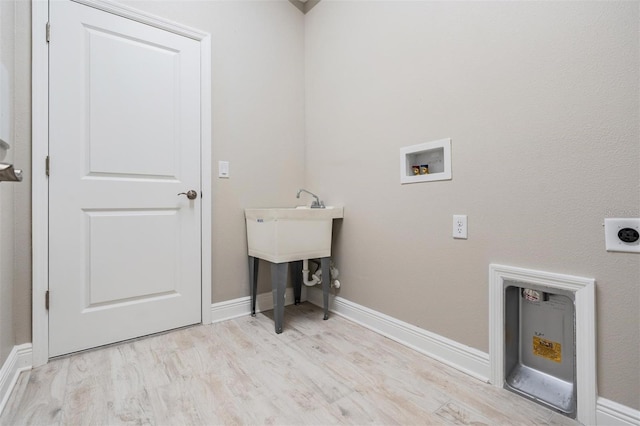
[(239, 372)]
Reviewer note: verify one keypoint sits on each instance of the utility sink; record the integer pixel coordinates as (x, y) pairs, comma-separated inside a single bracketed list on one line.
[(281, 235)]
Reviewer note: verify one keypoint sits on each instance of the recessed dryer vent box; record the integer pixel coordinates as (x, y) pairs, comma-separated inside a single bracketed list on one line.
[(540, 356), (436, 156)]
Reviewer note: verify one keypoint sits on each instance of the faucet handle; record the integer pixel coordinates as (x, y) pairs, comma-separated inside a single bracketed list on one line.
[(317, 204)]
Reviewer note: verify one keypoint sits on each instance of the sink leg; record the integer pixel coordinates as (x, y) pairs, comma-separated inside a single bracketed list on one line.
[(253, 282), (296, 270), (326, 284), (278, 285)]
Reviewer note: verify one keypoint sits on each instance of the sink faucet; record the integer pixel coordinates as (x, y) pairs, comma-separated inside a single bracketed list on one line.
[(316, 204)]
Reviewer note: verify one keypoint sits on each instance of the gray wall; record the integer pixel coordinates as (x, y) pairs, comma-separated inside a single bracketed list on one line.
[(15, 204), (22, 153), (541, 101), (6, 189), (15, 198)]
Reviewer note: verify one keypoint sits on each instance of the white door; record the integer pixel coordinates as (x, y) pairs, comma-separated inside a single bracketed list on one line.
[(124, 247)]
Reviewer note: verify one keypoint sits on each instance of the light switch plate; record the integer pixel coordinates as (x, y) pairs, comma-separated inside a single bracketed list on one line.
[(223, 169), (622, 234)]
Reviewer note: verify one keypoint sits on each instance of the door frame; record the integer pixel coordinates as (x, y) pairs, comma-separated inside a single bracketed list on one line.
[(40, 151)]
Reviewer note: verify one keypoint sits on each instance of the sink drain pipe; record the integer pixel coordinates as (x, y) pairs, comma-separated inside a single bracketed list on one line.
[(305, 275), (316, 278)]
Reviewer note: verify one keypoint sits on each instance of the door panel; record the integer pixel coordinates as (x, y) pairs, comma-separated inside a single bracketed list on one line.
[(137, 103), (124, 141), (116, 237)]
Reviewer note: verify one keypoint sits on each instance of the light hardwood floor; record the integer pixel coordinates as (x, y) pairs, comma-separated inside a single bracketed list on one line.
[(241, 372)]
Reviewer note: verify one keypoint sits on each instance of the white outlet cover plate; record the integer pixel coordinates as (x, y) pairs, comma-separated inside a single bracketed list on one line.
[(460, 226), (611, 228)]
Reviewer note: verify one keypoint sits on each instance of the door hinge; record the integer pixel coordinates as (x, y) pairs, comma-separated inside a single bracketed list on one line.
[(46, 166), (46, 300), (48, 32)]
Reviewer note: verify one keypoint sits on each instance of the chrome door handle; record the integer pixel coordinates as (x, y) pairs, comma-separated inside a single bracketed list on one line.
[(191, 194)]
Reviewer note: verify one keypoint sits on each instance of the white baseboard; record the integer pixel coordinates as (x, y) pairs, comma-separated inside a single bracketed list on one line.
[(19, 360), (456, 355), (610, 413), (235, 308), (461, 357)]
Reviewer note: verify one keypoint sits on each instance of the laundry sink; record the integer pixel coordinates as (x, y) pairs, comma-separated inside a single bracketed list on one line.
[(288, 234)]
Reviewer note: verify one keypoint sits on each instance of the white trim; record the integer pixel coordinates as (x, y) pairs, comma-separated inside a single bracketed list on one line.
[(206, 205), (40, 149), (461, 357), (584, 290), (611, 413), (39, 182), (229, 309), (19, 360), (143, 17)]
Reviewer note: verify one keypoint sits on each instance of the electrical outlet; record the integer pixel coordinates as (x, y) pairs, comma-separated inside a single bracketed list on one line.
[(460, 226), (622, 234)]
